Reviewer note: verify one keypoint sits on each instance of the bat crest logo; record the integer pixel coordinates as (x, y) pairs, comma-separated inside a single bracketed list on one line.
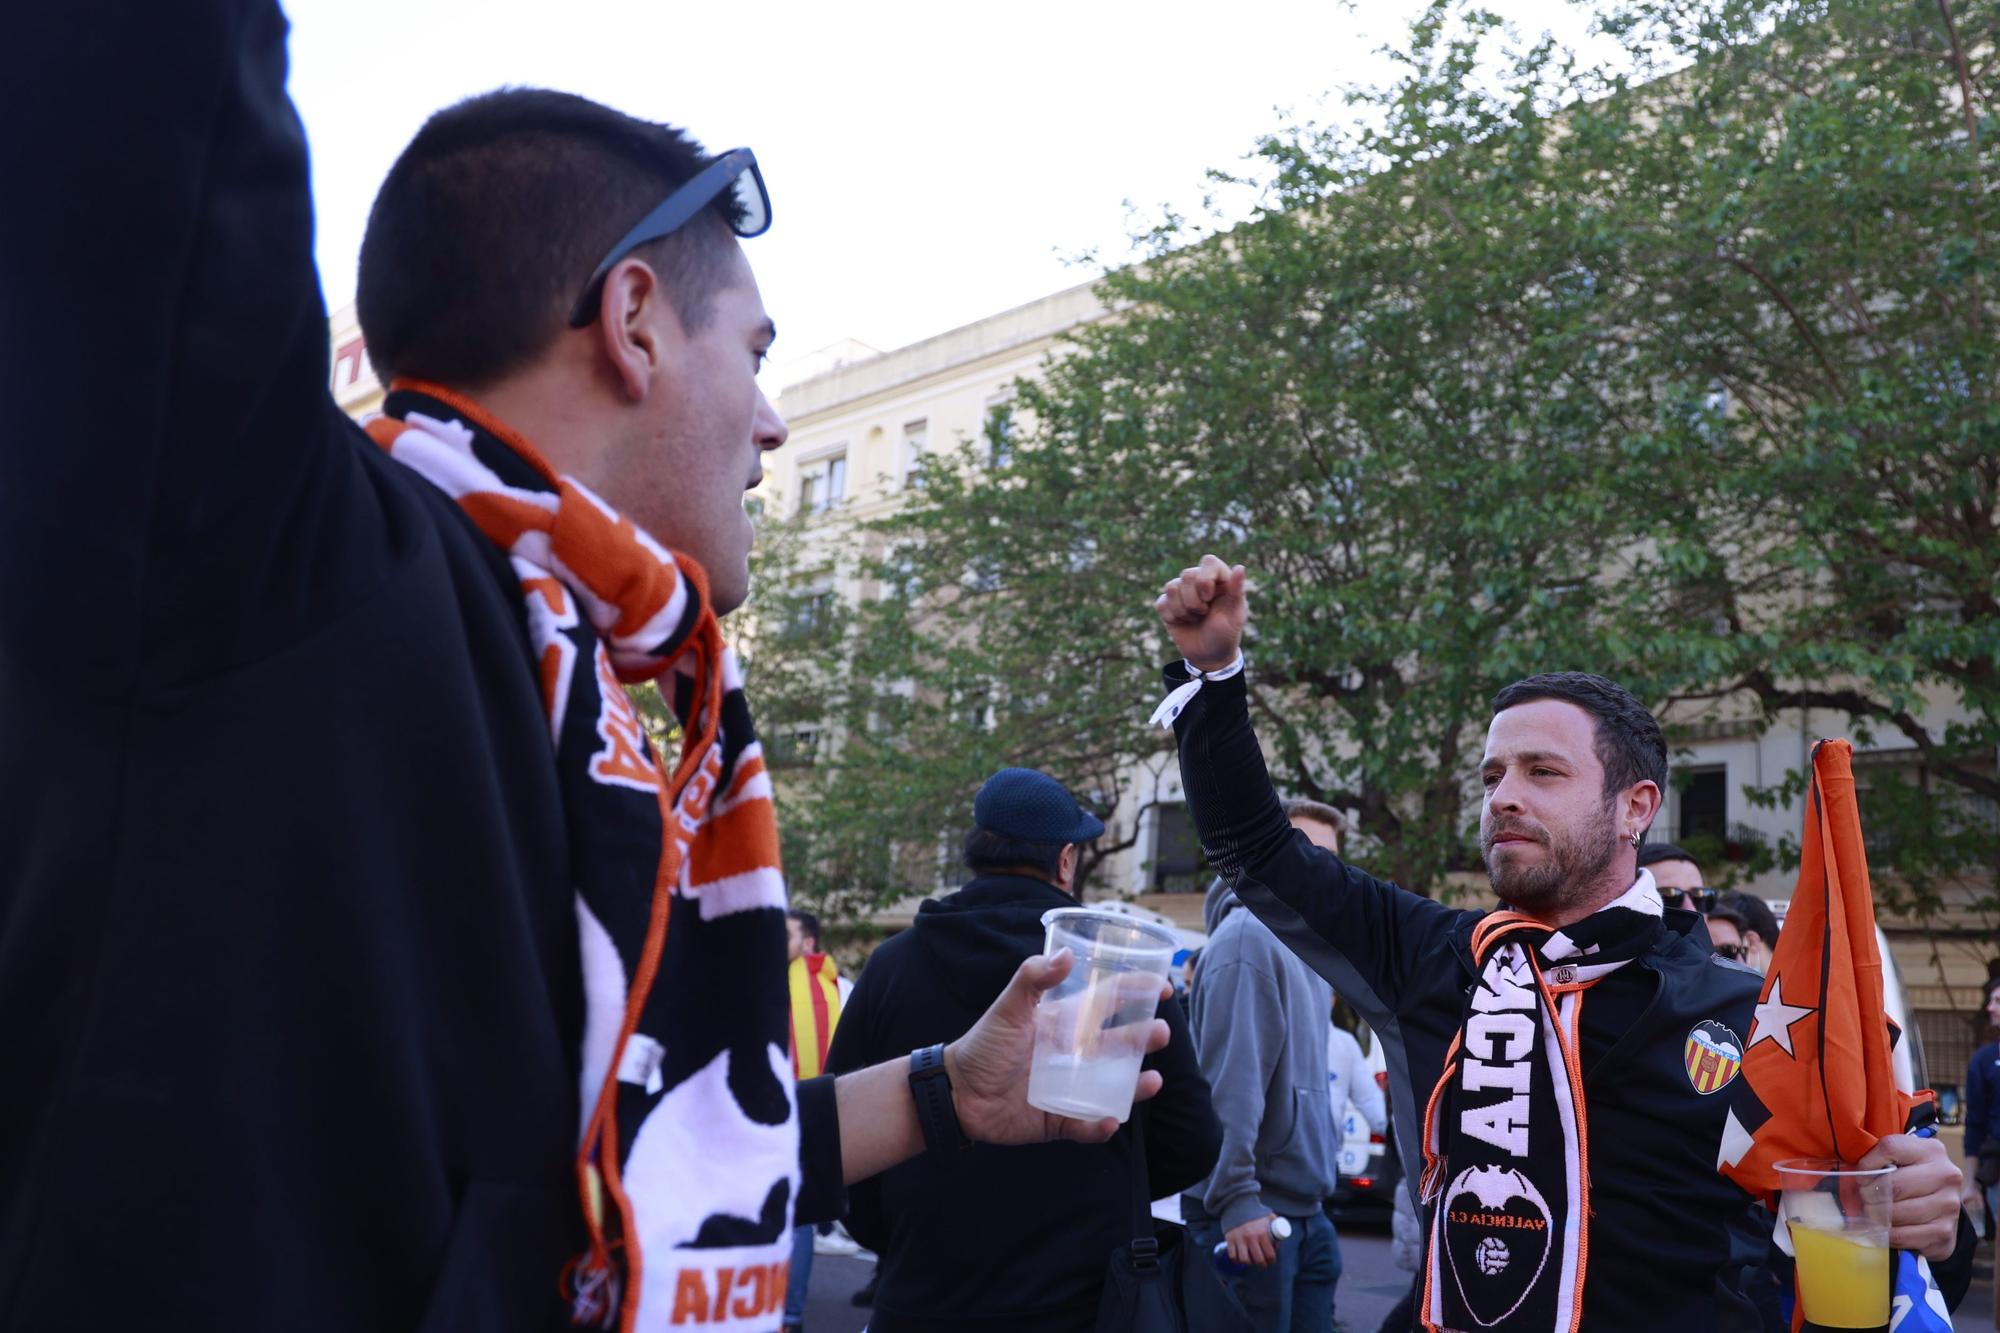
[(1496, 1228), (1712, 1056)]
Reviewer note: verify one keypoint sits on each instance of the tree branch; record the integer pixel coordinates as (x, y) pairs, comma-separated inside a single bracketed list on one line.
[(1798, 320), (1856, 704)]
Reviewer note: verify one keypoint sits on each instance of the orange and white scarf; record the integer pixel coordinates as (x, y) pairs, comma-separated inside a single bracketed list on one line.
[(1507, 1128), (688, 1162)]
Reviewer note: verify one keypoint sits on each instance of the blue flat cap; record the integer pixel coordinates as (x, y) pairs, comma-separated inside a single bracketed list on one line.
[(1034, 807)]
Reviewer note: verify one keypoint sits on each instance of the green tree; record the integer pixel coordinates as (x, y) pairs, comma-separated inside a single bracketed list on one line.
[(1676, 367), (1824, 450)]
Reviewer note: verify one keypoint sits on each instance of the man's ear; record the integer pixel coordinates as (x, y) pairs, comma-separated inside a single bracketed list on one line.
[(635, 325), (1642, 804)]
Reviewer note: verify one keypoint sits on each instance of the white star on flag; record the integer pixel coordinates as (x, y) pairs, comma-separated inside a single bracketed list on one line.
[(1774, 1018), (1736, 1141)]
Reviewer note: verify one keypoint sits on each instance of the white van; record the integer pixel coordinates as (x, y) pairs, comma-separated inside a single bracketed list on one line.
[(1369, 1172)]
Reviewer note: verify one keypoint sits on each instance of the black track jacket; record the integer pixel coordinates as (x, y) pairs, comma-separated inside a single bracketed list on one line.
[(1669, 1239)]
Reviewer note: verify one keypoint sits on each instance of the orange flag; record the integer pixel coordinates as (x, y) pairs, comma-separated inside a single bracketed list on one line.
[(1817, 1079)]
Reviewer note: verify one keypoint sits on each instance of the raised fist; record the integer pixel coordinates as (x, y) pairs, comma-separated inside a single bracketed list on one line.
[(1204, 609)]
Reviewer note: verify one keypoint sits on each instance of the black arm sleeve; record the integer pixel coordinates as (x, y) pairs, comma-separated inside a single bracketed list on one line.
[(1954, 1275), (1360, 933), (1182, 1134), (171, 501), (852, 1048), (822, 1197), (1222, 771)]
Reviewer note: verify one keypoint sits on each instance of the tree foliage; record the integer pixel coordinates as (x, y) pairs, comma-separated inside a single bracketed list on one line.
[(1677, 367)]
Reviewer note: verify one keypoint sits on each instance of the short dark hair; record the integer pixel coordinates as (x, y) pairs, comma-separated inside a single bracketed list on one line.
[(1655, 852), (491, 221), (808, 923), (1317, 811), (1748, 912), (1628, 739), (987, 852)]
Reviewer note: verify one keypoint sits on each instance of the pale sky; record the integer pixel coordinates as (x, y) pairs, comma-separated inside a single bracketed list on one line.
[(929, 164)]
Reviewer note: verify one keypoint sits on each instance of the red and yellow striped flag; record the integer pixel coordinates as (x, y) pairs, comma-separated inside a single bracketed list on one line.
[(815, 988)]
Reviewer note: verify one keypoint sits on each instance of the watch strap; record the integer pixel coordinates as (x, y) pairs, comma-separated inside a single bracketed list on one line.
[(930, 1086)]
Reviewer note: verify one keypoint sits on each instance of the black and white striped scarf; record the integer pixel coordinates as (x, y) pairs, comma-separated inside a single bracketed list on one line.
[(1507, 1130)]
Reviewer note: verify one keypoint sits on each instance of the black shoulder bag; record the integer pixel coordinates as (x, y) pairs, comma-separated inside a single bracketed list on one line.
[(1147, 1285)]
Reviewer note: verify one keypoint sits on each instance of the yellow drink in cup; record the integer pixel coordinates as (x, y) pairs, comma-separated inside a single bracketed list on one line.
[(1843, 1278), (1837, 1217)]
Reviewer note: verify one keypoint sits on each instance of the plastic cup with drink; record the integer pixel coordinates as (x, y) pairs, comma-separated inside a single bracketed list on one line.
[(1091, 1030), (1836, 1215)]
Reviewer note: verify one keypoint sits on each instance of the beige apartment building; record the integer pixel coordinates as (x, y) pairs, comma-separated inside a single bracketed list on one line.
[(858, 424), (859, 420), (355, 387)]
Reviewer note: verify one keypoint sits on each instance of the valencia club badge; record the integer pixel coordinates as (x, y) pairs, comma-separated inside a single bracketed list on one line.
[(1714, 1054)]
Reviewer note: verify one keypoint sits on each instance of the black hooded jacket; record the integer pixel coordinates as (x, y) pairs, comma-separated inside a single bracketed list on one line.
[(1013, 1238), (288, 946)]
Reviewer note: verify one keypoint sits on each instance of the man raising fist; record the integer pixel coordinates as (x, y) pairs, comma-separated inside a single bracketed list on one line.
[(1540, 1052)]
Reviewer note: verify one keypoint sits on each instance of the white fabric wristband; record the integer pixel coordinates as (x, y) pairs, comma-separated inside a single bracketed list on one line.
[(1177, 699)]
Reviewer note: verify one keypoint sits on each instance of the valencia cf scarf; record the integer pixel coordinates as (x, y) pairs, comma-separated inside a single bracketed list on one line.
[(687, 1164), (1506, 1131)]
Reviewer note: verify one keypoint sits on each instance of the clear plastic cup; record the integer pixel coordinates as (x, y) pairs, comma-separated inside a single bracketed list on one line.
[(1090, 1031), (1837, 1216)]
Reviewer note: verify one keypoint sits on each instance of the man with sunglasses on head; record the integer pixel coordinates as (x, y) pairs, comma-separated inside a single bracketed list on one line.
[(366, 967)]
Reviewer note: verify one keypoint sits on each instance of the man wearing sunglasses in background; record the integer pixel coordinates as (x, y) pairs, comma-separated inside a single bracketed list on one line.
[(363, 966), (1743, 927), (1677, 876)]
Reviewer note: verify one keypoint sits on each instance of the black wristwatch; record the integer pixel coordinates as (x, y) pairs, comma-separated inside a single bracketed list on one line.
[(930, 1085)]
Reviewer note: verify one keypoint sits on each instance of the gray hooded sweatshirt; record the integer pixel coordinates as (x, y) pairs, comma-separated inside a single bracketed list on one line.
[(1261, 1019)]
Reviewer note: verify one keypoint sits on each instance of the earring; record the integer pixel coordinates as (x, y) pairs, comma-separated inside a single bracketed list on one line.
[(1635, 840)]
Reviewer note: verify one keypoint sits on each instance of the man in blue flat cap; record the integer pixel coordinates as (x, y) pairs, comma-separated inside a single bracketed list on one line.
[(978, 1237)]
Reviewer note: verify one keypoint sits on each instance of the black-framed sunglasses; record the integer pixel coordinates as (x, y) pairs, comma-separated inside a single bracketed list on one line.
[(1701, 900), (1735, 953), (735, 171)]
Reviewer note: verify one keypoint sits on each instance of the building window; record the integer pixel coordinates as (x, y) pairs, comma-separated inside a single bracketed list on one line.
[(1178, 864), (814, 614), (899, 572), (795, 745), (1000, 430), (1704, 804), (916, 440), (975, 708), (823, 483)]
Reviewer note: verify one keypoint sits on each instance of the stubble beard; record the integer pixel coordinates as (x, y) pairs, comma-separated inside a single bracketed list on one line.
[(1570, 874)]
